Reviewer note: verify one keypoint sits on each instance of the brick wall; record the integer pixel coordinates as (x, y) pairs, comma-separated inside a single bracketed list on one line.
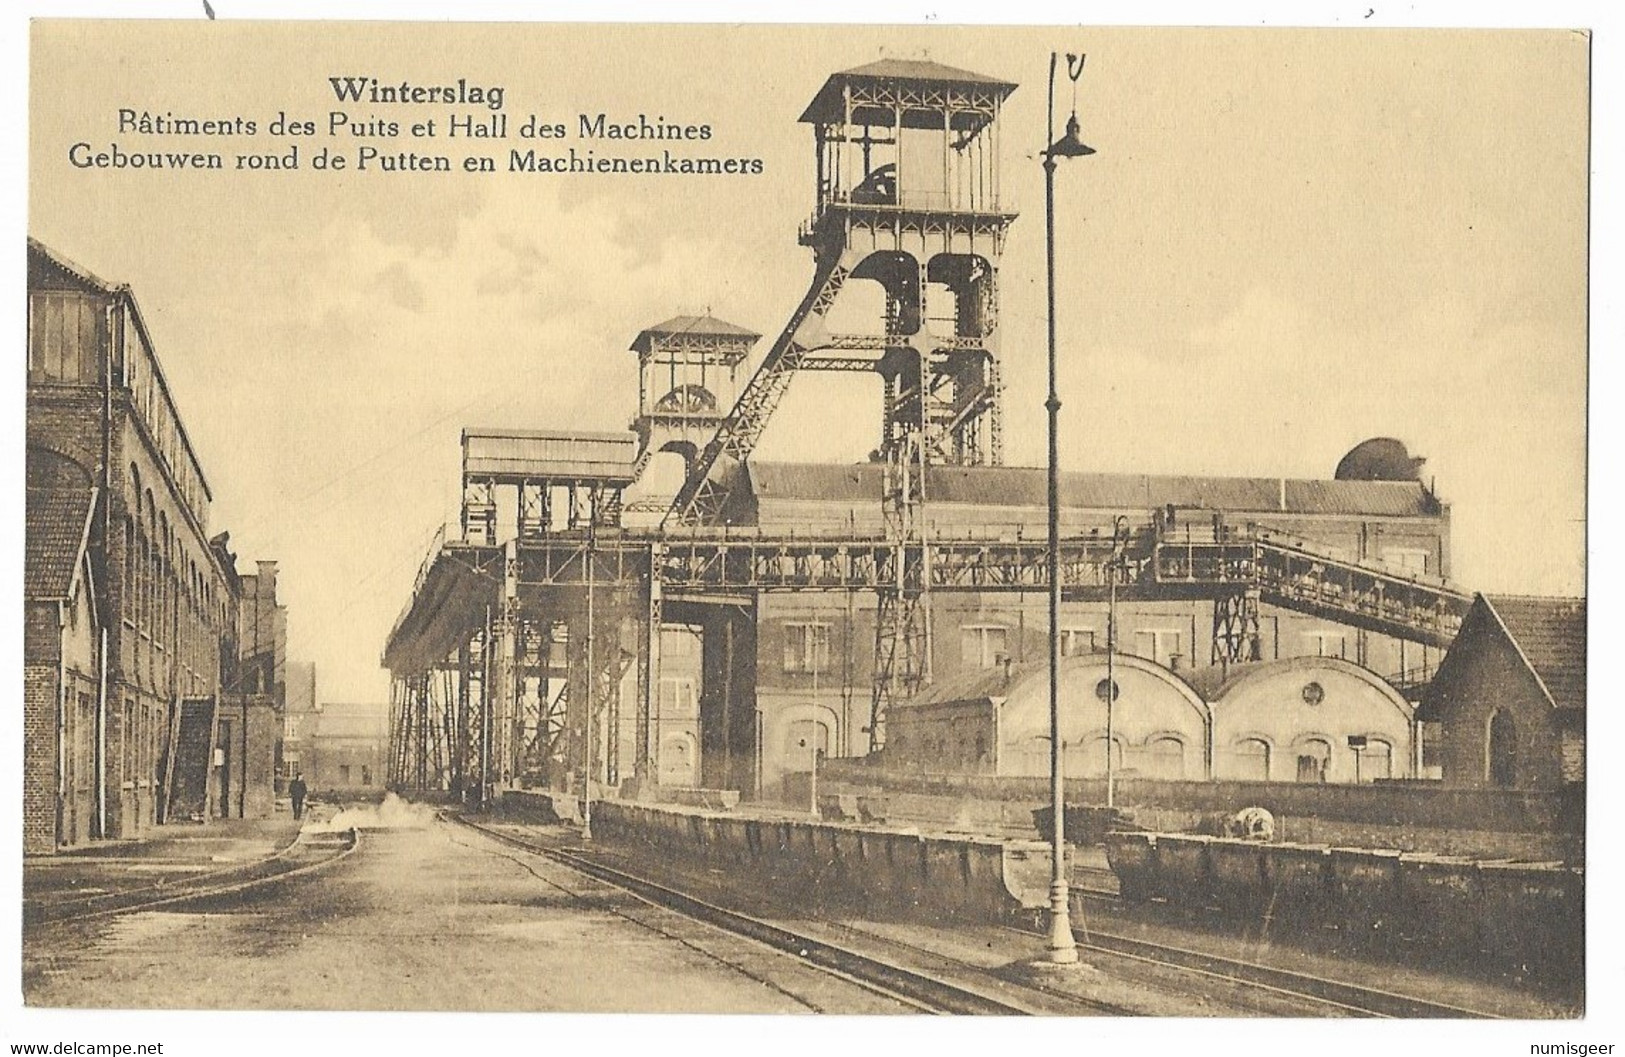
[(264, 728), (67, 421), (1491, 677), (39, 758)]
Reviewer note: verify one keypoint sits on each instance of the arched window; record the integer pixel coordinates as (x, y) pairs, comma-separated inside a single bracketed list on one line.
[(126, 584), (1088, 760), (1252, 760), (1165, 757), (1374, 761), (1501, 764), (1314, 760)]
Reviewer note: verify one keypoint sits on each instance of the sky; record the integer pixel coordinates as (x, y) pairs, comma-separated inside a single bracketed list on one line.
[(1286, 244), (1288, 241)]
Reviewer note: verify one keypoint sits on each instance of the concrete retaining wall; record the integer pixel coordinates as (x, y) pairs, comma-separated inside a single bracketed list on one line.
[(828, 866)]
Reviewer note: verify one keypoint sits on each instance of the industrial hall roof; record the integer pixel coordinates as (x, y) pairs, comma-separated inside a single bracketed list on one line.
[(1551, 635), (1012, 486), (58, 507)]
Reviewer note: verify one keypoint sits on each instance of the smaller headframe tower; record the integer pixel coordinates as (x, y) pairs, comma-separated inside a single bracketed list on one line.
[(688, 378)]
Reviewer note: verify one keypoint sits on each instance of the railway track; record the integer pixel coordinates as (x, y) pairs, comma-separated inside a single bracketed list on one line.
[(922, 990), (1303, 993), (207, 885), (1337, 996)]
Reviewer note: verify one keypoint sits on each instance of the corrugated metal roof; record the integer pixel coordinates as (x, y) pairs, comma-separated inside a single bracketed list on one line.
[(1551, 633), (56, 519), (547, 454), (1013, 486)]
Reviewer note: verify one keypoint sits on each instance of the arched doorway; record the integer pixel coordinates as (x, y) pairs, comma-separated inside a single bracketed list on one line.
[(1501, 766)]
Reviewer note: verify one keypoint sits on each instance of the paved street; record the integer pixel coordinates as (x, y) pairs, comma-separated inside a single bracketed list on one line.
[(425, 917)]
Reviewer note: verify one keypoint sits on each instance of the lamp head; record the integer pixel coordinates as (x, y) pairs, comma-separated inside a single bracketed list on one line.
[(1069, 145)]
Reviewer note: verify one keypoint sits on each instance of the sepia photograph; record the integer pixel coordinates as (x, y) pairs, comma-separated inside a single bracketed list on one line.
[(864, 519)]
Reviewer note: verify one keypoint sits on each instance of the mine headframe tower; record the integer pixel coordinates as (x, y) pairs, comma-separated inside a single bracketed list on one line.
[(907, 196)]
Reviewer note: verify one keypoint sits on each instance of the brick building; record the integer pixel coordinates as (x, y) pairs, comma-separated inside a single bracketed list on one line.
[(1510, 696), (132, 607), (343, 748), (813, 653)]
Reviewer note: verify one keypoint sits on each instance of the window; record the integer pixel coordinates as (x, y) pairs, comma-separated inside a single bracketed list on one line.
[(983, 645), (366, 775), (1252, 756), (678, 642), (1325, 643), (1165, 758), (1076, 642), (1158, 645), (806, 647), (677, 698), (344, 774), (1088, 759), (1373, 760), (1501, 767), (1407, 559), (1314, 759)]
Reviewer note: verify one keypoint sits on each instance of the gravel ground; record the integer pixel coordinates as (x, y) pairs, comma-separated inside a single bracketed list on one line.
[(422, 917)]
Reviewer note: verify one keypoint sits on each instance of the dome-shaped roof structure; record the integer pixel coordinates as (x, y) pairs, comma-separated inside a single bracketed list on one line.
[(1380, 459)]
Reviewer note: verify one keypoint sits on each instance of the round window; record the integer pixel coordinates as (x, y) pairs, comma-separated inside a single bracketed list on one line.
[(1313, 694), (1107, 690)]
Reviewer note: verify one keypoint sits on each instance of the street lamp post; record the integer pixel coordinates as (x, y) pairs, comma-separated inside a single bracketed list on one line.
[(1062, 948)]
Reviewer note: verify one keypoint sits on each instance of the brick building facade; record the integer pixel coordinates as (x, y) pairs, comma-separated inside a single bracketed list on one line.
[(132, 641), (1510, 697)]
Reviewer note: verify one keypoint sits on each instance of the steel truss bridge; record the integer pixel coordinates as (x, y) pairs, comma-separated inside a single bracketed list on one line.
[(474, 650)]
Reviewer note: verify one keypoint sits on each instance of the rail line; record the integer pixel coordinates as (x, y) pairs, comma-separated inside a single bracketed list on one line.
[(1305, 990), (1341, 995), (918, 989), (162, 894)]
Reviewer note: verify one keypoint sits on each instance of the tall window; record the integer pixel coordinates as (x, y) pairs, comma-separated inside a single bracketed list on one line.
[(1314, 758), (1501, 767), (677, 697), (1252, 756), (1165, 758), (806, 647), (1325, 643), (678, 642), (983, 645), (1077, 642), (1158, 645), (1375, 759)]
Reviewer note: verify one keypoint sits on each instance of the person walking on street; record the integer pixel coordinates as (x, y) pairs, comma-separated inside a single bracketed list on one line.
[(297, 790)]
